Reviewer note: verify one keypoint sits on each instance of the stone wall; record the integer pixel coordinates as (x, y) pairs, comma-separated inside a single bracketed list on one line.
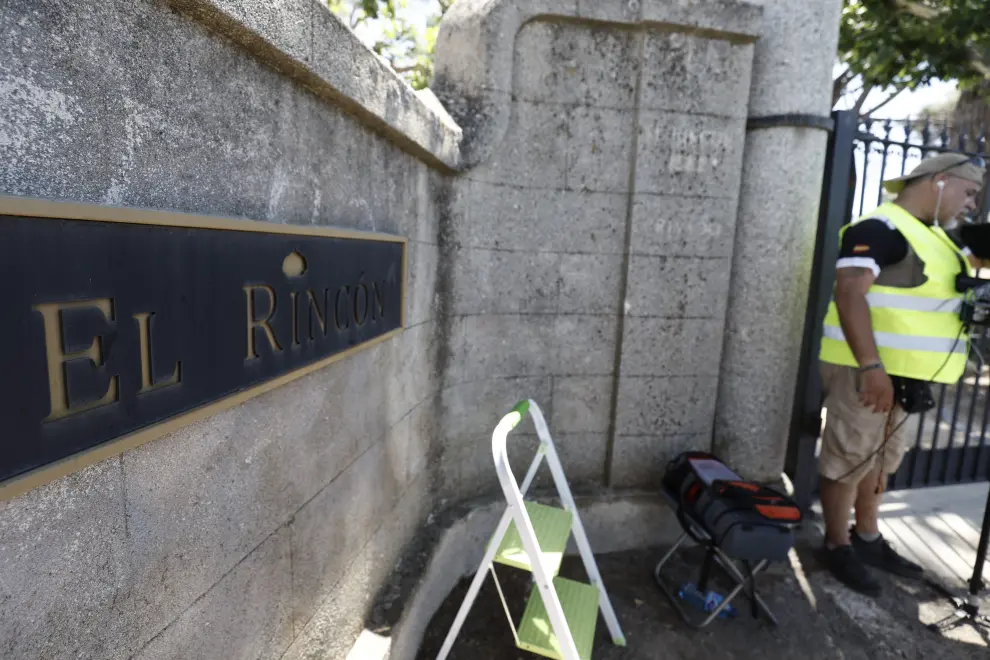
[(264, 531), (592, 241), (572, 228), (778, 215)]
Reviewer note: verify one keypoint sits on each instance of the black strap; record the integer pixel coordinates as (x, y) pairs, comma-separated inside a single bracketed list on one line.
[(752, 589), (706, 570), (689, 527), (797, 120)]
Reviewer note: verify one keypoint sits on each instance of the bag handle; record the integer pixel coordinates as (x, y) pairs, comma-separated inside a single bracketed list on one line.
[(682, 517)]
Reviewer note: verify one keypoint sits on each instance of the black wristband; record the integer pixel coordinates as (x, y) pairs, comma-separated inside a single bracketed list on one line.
[(870, 367)]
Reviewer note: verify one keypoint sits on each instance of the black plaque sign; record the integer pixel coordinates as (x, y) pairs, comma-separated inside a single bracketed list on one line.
[(117, 321)]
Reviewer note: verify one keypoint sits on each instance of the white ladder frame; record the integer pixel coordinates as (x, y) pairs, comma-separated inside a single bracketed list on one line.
[(516, 512)]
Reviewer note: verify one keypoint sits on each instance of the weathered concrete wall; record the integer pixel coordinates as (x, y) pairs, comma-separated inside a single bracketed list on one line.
[(264, 531), (573, 244), (592, 235), (778, 215)]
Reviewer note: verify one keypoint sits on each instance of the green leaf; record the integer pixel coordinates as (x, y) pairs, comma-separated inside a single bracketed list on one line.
[(885, 44), (408, 49)]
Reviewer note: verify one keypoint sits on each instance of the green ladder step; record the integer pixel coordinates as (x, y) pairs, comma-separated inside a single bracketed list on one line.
[(553, 528), (580, 604)]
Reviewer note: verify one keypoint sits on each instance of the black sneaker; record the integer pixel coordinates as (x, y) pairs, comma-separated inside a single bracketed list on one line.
[(848, 569), (879, 553)]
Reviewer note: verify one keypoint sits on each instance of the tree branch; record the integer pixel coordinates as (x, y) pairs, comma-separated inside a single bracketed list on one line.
[(914, 8), (858, 106), (850, 92), (925, 13), (839, 84), (977, 62), (883, 103)]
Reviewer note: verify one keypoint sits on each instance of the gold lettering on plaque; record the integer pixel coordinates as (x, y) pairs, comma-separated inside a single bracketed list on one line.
[(54, 336), (146, 378), (360, 317), (346, 290), (295, 317), (378, 311), (314, 312), (254, 323)]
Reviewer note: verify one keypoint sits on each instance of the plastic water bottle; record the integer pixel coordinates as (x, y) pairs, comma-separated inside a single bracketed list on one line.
[(706, 602)]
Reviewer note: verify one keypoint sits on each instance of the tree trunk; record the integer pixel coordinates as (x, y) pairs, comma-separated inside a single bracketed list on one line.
[(972, 116), (972, 113)]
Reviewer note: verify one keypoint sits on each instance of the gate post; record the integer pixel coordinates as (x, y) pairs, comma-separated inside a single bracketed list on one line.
[(801, 464)]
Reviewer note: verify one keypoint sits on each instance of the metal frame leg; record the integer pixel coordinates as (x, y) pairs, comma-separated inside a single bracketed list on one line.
[(672, 597), (731, 569), (479, 579), (727, 564)]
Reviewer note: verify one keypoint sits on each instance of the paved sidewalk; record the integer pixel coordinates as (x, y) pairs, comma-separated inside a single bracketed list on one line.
[(938, 528)]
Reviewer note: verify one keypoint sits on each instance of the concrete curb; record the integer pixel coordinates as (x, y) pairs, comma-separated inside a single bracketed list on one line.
[(452, 545)]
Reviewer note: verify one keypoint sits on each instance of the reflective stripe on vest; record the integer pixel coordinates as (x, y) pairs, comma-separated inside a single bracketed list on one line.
[(893, 301), (914, 303), (906, 342)]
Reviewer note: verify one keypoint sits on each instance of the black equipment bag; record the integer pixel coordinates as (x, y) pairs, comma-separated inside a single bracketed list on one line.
[(745, 519)]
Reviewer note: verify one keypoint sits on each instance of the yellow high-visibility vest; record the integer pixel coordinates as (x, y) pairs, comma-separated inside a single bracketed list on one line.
[(917, 330)]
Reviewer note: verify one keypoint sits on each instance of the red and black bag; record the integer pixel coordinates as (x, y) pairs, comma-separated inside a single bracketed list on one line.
[(745, 519)]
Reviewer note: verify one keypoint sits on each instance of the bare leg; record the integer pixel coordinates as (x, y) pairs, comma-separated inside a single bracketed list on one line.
[(837, 501), (868, 501)]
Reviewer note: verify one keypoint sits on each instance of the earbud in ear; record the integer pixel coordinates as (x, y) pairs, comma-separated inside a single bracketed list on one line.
[(940, 184)]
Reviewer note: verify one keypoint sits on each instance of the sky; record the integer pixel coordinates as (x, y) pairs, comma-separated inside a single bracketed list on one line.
[(910, 104)]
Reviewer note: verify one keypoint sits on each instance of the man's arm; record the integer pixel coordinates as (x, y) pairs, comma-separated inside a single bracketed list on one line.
[(867, 247), (875, 388), (851, 286), (976, 233)]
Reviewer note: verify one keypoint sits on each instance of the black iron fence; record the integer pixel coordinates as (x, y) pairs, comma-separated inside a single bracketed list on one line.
[(884, 149), (950, 443)]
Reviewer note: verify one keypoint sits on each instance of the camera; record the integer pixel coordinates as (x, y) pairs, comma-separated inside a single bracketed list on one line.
[(975, 308)]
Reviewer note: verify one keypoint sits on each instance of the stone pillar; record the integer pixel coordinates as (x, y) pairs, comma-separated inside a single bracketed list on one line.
[(775, 236), (587, 247)]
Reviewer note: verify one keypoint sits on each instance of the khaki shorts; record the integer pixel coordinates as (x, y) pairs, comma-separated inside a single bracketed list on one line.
[(853, 435)]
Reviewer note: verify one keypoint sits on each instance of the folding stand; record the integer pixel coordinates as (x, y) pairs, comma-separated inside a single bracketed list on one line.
[(561, 614), (968, 609), (745, 583)]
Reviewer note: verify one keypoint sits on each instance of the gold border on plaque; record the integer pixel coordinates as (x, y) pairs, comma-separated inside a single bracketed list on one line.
[(46, 209)]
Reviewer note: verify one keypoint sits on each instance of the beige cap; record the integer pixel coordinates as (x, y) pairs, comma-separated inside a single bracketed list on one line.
[(966, 167)]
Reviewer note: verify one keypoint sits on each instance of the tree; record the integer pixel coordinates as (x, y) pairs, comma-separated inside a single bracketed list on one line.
[(885, 46), (385, 27), (972, 110), (894, 45)]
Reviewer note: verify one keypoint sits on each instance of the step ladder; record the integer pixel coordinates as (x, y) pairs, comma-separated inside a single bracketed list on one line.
[(560, 616)]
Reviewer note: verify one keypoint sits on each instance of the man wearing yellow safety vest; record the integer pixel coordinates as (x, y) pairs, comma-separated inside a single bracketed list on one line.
[(892, 326)]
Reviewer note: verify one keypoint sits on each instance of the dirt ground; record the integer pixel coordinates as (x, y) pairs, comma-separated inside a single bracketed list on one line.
[(818, 617)]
